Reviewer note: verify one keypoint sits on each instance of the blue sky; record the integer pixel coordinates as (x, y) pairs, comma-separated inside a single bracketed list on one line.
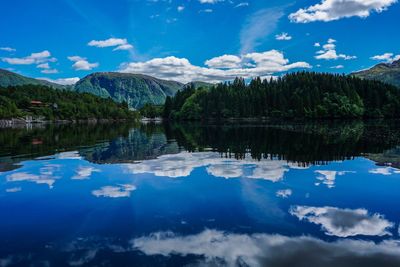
[(184, 40)]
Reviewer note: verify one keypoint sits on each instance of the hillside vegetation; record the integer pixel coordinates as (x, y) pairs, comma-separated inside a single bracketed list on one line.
[(296, 95), (8, 78), (38, 100)]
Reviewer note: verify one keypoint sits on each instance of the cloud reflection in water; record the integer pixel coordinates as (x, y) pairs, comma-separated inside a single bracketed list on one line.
[(344, 222), (229, 249)]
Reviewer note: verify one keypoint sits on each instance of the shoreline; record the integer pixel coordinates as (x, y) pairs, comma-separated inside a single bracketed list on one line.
[(20, 122)]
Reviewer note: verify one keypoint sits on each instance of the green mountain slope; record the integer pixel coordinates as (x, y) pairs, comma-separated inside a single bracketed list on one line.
[(198, 84), (385, 72), (135, 89), (8, 78)]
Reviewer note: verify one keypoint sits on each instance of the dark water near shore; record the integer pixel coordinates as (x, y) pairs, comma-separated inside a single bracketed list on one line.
[(282, 194)]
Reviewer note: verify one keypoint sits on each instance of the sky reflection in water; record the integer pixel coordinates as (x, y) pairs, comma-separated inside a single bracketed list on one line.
[(193, 195)]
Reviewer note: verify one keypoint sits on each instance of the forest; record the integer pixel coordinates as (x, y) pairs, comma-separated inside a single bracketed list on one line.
[(295, 95), (43, 101)]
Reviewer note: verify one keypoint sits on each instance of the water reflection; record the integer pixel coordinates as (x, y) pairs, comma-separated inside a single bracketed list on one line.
[(226, 249), (282, 194), (344, 222), (311, 143)]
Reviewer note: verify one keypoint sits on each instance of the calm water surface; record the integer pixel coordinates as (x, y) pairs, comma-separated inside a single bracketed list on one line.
[(283, 194)]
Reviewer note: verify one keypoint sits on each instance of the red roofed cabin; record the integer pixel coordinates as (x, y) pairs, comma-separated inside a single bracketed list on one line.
[(37, 103)]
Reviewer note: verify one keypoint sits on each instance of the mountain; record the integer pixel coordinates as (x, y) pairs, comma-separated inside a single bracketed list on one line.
[(135, 89), (198, 84), (385, 72), (8, 78)]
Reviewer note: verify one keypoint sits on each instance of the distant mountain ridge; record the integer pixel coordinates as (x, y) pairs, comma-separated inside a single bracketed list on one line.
[(135, 89), (384, 72), (8, 78)]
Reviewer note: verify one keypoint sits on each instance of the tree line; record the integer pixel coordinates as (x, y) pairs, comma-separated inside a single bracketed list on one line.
[(43, 101), (295, 95)]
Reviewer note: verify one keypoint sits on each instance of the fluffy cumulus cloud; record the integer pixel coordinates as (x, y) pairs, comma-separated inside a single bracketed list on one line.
[(182, 165), (224, 62), (284, 36), (221, 68), (387, 57), (114, 191), (344, 222), (117, 43), (81, 63), (216, 248), (34, 58), (328, 51), (329, 10)]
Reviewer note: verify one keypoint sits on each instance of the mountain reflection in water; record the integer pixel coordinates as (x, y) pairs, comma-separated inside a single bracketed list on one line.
[(281, 194)]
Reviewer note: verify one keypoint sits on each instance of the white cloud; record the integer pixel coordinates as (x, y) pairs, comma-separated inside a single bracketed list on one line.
[(388, 57), (207, 10), (218, 248), (226, 67), (8, 49), (225, 61), (63, 81), (123, 47), (317, 45), (108, 42), (34, 58), (180, 8), (210, 1), (49, 71), (328, 52), (344, 222), (43, 66), (120, 44), (385, 57), (284, 36), (81, 63), (329, 10), (114, 191), (285, 193), (257, 27), (242, 4), (84, 172), (337, 67)]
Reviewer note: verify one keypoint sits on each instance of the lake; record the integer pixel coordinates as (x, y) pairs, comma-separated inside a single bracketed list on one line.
[(277, 194)]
